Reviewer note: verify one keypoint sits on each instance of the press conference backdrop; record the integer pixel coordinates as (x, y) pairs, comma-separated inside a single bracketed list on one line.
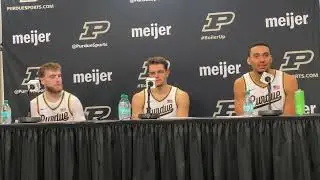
[(102, 46)]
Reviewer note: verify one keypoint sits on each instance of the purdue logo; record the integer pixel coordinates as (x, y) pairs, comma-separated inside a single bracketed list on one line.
[(97, 112), (217, 20), (296, 58), (224, 108), (93, 29)]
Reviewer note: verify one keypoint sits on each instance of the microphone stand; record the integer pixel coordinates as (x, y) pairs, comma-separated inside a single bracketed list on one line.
[(269, 112), (148, 101), (28, 118), (269, 94), (149, 115)]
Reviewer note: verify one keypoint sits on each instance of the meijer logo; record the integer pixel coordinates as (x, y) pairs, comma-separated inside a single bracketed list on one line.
[(154, 30), (222, 69), (31, 38), (290, 21), (95, 77)]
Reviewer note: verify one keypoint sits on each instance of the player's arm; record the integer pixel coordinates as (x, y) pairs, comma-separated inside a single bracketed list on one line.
[(183, 103), (34, 108), (239, 94), (137, 105), (76, 109), (290, 86)]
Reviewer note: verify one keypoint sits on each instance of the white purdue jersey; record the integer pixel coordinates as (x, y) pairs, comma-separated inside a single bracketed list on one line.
[(59, 111), (260, 95), (166, 107)]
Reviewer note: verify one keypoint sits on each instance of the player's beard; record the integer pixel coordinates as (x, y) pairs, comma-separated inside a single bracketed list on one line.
[(53, 90)]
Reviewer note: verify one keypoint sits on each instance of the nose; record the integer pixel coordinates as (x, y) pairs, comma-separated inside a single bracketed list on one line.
[(58, 79), (262, 59)]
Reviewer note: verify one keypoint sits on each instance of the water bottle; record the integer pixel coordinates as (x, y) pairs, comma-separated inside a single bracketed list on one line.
[(6, 113), (124, 108), (299, 102), (248, 105)]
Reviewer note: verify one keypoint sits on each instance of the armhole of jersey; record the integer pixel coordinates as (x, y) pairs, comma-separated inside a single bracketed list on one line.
[(69, 97), (284, 89), (175, 97), (38, 105), (245, 84), (144, 98)]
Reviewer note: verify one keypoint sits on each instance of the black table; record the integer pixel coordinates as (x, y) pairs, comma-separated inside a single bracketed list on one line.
[(258, 148)]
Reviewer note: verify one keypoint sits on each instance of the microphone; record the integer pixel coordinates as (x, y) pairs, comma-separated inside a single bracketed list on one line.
[(34, 89), (150, 83), (267, 79)]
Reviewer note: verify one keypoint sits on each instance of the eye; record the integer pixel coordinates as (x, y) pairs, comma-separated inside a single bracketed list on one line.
[(266, 54)]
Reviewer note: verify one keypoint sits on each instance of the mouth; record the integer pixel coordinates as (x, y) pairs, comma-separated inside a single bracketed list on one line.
[(262, 66)]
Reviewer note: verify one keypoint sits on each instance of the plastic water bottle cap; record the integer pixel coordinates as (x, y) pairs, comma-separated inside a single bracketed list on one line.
[(124, 96), (5, 101)]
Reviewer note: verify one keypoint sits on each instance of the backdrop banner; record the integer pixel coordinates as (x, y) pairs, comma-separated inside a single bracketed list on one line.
[(102, 47)]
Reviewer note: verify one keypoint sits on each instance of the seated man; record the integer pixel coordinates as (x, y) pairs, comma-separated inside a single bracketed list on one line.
[(283, 85), (166, 100), (55, 104)]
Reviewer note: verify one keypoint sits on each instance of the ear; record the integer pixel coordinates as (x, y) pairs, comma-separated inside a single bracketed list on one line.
[(248, 61), (168, 72), (41, 80)]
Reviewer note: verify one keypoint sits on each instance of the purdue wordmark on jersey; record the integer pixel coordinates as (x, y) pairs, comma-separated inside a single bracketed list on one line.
[(260, 95), (166, 107), (59, 111)]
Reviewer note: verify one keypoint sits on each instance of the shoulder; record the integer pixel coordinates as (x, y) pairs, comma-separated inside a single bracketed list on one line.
[(289, 81), (239, 85), (71, 97), (180, 93), (139, 94), (34, 100), (138, 97), (288, 77), (239, 81)]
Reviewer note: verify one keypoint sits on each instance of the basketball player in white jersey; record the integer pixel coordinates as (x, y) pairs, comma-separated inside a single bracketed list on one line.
[(283, 85), (55, 104), (165, 99)]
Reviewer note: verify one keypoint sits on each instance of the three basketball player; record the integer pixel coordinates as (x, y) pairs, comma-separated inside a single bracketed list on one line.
[(56, 104)]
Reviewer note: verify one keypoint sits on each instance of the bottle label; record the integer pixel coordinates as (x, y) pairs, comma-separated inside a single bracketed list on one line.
[(299, 102), (124, 113), (5, 114)]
